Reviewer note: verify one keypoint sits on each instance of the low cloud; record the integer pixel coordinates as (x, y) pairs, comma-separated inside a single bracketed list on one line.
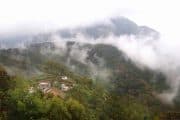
[(145, 51)]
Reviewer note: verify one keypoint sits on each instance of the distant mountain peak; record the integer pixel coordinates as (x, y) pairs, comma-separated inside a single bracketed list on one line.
[(116, 26)]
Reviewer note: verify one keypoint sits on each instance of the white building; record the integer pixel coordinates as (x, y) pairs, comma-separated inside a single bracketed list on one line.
[(44, 85), (64, 87), (64, 77)]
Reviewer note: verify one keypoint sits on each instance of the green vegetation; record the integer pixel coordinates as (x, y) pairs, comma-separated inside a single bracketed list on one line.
[(86, 101), (127, 94)]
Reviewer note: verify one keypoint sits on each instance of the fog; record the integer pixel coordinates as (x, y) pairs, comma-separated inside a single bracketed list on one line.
[(145, 50)]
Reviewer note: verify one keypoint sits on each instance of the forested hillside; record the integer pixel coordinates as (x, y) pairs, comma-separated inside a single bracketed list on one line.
[(104, 71), (101, 86)]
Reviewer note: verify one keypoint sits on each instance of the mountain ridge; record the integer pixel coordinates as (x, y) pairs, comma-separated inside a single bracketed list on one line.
[(117, 26)]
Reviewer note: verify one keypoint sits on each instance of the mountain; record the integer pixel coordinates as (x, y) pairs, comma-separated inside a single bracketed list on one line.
[(105, 80), (116, 26), (99, 61), (105, 84)]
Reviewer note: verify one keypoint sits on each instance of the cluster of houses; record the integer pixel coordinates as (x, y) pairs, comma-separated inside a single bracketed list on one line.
[(47, 86)]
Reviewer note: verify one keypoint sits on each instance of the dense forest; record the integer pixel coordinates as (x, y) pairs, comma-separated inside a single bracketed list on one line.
[(127, 93), (87, 100), (71, 75)]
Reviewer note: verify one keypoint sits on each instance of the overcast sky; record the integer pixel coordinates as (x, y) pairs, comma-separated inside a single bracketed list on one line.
[(35, 15)]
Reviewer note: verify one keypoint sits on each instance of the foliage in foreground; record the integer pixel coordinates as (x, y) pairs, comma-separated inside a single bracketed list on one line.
[(86, 101)]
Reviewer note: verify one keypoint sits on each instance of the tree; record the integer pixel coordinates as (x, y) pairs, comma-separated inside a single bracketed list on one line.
[(4, 79), (76, 109), (58, 110)]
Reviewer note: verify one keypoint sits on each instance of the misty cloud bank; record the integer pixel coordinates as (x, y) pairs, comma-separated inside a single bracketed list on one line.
[(141, 44), (145, 51)]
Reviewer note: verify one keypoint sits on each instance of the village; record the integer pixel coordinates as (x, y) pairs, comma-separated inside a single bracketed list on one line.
[(56, 87)]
